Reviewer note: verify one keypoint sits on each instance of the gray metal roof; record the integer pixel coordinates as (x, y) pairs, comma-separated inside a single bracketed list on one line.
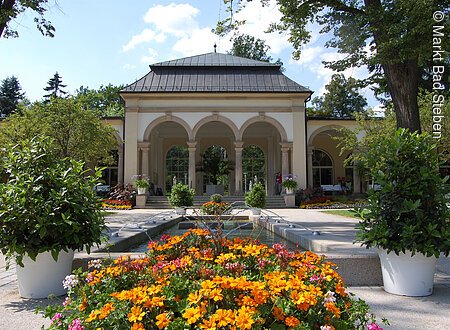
[(214, 72)]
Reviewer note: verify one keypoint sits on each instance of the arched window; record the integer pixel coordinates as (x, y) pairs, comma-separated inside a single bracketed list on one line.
[(322, 168), (177, 166), (110, 175), (253, 164)]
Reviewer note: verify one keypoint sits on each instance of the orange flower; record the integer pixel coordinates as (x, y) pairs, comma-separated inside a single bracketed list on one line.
[(162, 320), (192, 314), (93, 316), (244, 318), (333, 309), (278, 313), (108, 308), (291, 321), (137, 326), (223, 317), (136, 314)]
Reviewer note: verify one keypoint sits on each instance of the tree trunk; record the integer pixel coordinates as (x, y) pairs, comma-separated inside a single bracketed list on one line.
[(403, 79)]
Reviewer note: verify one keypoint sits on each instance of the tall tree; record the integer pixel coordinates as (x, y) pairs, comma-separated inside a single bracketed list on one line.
[(253, 48), (341, 100), (55, 87), (10, 95), (11, 9), (398, 34), (105, 101)]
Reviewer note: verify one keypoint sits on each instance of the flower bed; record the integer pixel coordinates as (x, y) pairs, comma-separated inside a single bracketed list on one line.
[(196, 281), (327, 203), (114, 204), (214, 208)]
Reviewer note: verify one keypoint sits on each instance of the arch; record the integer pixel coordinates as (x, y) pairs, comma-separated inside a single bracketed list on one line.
[(264, 119), (167, 118), (118, 138), (321, 130), (323, 168), (214, 118)]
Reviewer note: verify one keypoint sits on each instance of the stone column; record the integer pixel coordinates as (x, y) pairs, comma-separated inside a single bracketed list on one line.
[(284, 160), (356, 180), (310, 166), (131, 149), (192, 147), (120, 165), (144, 156), (299, 143), (238, 146)]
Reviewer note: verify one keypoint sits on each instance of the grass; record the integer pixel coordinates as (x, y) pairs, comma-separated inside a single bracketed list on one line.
[(343, 213)]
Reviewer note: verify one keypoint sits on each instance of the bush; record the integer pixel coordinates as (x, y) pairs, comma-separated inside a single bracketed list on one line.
[(256, 197), (410, 210), (46, 204), (181, 195)]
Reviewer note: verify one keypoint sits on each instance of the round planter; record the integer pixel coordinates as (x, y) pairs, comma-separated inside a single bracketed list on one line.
[(141, 190), (255, 211), (40, 278), (180, 211), (289, 191), (407, 275)]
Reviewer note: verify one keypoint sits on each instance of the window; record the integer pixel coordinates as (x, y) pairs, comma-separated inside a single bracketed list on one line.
[(177, 166), (322, 168), (254, 164), (110, 175)]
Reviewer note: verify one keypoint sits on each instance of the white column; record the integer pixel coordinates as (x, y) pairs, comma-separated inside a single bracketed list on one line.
[(144, 159), (238, 146), (120, 166), (131, 149), (270, 159), (310, 166), (356, 180), (299, 143), (192, 147), (284, 160)]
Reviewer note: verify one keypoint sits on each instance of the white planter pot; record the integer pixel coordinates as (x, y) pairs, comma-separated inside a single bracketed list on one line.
[(289, 191), (407, 275), (141, 191), (255, 211), (40, 278)]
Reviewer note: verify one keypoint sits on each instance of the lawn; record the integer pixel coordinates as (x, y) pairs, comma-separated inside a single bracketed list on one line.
[(343, 213)]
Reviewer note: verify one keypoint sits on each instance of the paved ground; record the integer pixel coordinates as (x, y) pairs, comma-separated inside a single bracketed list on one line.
[(337, 235)]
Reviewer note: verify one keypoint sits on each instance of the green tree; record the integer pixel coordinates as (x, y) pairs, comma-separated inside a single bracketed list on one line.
[(215, 164), (397, 32), (11, 9), (248, 46), (55, 87), (341, 100), (105, 101), (76, 133), (10, 95)]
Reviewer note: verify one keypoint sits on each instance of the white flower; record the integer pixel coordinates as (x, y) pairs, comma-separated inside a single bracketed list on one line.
[(70, 282)]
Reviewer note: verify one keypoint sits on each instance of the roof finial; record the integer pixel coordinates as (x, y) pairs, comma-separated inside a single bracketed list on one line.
[(215, 48)]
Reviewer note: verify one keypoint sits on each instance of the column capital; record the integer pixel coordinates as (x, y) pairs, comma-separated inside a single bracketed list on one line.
[(310, 149), (286, 145), (192, 144), (143, 145), (238, 144)]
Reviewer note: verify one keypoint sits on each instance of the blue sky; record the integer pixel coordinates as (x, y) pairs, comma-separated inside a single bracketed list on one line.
[(111, 41)]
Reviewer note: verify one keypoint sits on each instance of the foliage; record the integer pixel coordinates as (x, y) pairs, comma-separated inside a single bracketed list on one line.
[(391, 38), (214, 164), (247, 46), (183, 283), (114, 204), (142, 183), (76, 133), (10, 96), (216, 198), (410, 211), (341, 100), (54, 87), (306, 194), (11, 9), (329, 202), (105, 102), (181, 195), (289, 183), (46, 204), (123, 193), (256, 197)]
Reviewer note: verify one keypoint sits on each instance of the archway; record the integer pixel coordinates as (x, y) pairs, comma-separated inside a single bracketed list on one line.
[(253, 165)]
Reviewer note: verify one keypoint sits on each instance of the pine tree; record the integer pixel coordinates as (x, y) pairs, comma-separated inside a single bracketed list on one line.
[(55, 87), (10, 96)]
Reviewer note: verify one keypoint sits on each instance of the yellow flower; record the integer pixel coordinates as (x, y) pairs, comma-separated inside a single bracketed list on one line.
[(223, 317), (244, 318), (108, 308), (136, 314), (93, 316), (162, 320), (192, 314), (137, 326)]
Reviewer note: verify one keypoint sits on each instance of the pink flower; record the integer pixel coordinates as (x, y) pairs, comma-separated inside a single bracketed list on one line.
[(56, 317), (76, 325), (374, 326)]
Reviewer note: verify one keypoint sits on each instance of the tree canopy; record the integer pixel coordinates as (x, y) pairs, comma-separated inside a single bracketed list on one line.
[(393, 38), (55, 87), (11, 9), (341, 100), (77, 133), (105, 101), (10, 95)]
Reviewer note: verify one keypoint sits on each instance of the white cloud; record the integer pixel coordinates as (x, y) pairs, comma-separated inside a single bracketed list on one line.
[(309, 54), (145, 36), (129, 66), (151, 57), (198, 42), (174, 19)]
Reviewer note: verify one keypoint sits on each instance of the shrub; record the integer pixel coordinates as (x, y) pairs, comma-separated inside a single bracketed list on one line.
[(181, 195), (256, 197)]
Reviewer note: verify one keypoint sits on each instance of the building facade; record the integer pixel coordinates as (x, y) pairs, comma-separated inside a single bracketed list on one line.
[(249, 110)]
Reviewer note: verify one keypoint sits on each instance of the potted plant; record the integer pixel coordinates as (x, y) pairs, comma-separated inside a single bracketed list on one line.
[(181, 196), (289, 185), (256, 198), (141, 185), (215, 166), (407, 219), (48, 209)]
